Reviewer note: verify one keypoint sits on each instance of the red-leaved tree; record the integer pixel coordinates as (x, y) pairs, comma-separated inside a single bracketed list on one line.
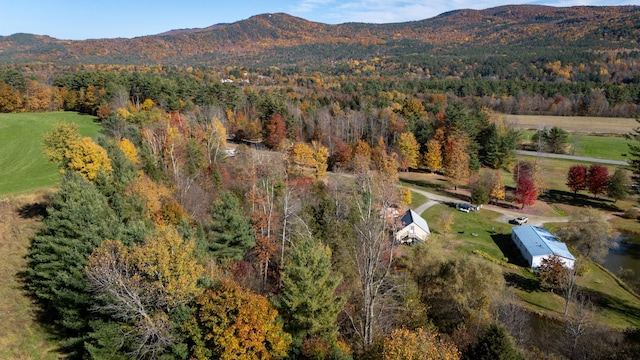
[(577, 178), (275, 132), (526, 192), (597, 179)]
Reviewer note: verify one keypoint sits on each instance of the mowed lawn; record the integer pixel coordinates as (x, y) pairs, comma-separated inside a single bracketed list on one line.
[(23, 166)]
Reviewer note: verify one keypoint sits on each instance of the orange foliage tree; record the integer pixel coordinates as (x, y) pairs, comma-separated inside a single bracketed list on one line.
[(456, 159), (233, 323)]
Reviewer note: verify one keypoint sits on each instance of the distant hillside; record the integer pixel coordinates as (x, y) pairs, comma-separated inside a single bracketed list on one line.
[(528, 26)]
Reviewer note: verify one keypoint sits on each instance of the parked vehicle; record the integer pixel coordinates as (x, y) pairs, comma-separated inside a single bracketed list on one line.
[(464, 207), (520, 220)]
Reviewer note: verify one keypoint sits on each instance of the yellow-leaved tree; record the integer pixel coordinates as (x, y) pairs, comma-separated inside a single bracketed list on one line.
[(408, 150), (497, 191), (433, 156), (142, 285), (58, 141), (301, 159), (320, 156), (404, 344), (361, 159), (129, 150), (87, 158)]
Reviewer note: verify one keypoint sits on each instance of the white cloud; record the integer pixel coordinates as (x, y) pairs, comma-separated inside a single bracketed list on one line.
[(386, 11)]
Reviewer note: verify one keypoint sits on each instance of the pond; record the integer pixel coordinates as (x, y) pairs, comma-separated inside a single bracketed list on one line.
[(627, 255)]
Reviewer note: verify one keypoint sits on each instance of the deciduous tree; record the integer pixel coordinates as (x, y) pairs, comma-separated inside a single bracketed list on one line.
[(597, 179), (87, 158), (233, 323), (456, 159), (275, 131), (59, 140), (408, 151), (433, 156), (497, 191), (526, 192), (577, 178), (404, 344), (589, 231), (142, 285)]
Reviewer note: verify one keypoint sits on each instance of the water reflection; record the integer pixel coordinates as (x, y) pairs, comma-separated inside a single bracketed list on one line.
[(626, 255)]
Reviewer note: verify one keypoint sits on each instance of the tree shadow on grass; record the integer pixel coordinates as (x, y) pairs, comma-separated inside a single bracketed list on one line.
[(30, 211), (612, 303), (520, 282), (425, 184), (569, 198)]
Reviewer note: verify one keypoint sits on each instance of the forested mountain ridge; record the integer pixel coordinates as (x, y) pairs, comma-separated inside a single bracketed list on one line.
[(500, 28)]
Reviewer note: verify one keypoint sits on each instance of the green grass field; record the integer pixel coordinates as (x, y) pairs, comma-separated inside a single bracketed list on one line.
[(601, 147), (618, 308), (23, 165)]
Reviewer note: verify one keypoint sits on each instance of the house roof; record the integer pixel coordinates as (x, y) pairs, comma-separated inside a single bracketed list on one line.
[(412, 217), (540, 241)]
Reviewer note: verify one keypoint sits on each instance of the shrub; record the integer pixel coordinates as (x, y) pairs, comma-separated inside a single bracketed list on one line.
[(631, 213)]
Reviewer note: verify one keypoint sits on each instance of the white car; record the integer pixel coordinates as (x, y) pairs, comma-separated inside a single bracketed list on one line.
[(521, 220)]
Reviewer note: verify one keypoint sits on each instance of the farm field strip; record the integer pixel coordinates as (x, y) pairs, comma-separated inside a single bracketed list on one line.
[(24, 166), (573, 124)]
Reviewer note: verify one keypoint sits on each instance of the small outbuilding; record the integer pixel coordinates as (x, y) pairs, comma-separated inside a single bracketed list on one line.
[(536, 243), (413, 227)]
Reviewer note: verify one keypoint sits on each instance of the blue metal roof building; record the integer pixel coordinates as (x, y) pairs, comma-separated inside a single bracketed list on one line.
[(536, 243)]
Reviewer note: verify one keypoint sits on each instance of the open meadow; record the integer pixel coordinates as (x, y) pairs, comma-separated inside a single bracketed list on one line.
[(573, 124), (24, 166)]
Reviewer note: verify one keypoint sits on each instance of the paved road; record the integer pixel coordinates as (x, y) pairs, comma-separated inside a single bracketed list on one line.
[(507, 214), (571, 157)]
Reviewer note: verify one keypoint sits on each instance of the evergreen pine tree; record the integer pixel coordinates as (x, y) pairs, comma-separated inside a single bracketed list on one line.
[(618, 188), (78, 220), (229, 234), (308, 302), (495, 344)]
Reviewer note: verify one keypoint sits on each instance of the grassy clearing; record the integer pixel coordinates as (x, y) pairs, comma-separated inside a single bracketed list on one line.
[(600, 147), (574, 124), (24, 167), (417, 200), (21, 337), (617, 307)]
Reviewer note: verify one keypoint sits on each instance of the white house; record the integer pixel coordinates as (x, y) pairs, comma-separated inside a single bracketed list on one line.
[(536, 243), (412, 228)]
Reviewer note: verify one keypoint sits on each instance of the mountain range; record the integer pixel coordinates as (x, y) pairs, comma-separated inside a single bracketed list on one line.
[(281, 39)]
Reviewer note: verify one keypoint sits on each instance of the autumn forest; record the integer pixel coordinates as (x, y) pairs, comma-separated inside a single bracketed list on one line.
[(236, 203)]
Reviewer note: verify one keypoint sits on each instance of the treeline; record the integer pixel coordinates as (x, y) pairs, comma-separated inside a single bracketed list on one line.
[(610, 88)]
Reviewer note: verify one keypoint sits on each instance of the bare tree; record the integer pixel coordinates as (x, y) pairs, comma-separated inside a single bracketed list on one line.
[(129, 298), (579, 322), (514, 318), (590, 232), (372, 251)]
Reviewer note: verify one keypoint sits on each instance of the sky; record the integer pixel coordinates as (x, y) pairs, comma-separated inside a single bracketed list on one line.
[(92, 19)]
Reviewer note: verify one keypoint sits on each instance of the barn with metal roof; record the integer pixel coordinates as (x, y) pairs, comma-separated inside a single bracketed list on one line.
[(536, 243)]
